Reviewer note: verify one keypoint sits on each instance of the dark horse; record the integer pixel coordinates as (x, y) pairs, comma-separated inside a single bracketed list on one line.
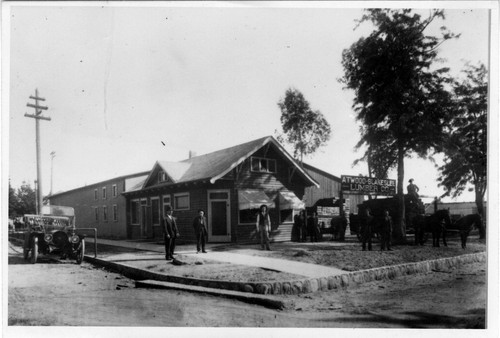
[(466, 224), (435, 224)]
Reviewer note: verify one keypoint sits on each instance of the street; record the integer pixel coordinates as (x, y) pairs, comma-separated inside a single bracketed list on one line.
[(53, 293)]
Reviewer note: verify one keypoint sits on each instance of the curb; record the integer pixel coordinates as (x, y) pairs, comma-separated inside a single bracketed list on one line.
[(297, 286), (242, 296)]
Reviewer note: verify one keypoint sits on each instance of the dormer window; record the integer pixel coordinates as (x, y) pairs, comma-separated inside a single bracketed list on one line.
[(162, 177)]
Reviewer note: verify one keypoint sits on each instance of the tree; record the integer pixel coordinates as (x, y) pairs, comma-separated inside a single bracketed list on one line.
[(13, 203), (400, 100), (466, 148), (27, 199), (305, 129)]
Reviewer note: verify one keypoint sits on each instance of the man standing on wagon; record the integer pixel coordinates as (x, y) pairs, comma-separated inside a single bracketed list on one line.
[(413, 191)]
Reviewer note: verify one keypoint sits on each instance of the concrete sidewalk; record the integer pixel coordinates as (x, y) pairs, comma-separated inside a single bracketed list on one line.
[(226, 256)]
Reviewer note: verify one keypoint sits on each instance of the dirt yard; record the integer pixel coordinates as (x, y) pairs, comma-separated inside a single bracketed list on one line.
[(65, 294), (347, 256)]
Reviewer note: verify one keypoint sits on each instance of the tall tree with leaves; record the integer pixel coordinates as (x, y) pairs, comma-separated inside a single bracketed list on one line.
[(306, 130), (466, 148), (13, 202), (401, 99), (26, 199)]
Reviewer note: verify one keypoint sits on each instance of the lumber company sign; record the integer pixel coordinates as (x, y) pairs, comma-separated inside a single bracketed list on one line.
[(359, 185)]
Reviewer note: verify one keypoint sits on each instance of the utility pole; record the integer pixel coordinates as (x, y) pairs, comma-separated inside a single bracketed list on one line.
[(52, 155), (37, 116)]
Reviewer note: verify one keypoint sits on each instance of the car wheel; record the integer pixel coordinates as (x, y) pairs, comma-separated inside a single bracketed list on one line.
[(34, 250), (80, 253)]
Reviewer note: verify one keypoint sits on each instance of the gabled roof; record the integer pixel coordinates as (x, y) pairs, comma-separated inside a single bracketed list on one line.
[(215, 165)]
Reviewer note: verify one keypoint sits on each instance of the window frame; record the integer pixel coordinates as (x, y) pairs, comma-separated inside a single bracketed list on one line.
[(115, 213), (138, 220), (96, 194), (163, 204), (96, 214), (104, 213), (294, 213), (259, 159), (104, 193), (156, 198), (114, 189), (163, 177), (182, 194)]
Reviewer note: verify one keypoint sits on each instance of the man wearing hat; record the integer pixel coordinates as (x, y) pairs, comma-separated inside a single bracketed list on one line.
[(170, 233), (413, 190)]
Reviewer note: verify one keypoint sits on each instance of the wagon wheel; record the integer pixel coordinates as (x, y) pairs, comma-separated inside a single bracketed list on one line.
[(80, 253), (34, 250)]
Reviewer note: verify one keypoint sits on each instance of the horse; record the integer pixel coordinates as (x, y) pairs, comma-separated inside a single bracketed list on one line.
[(466, 224), (435, 224)]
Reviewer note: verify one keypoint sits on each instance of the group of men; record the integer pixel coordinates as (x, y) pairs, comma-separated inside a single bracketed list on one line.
[(370, 225), (383, 226), (302, 227), (171, 232)]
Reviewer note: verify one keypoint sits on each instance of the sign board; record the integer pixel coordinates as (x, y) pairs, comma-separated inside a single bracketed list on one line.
[(58, 210), (359, 185)]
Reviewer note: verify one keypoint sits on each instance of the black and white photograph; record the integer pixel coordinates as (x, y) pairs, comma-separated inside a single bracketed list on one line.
[(287, 169)]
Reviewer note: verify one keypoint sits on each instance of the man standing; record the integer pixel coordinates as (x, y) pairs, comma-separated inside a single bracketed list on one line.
[(170, 233), (263, 226), (366, 225), (200, 230), (386, 232)]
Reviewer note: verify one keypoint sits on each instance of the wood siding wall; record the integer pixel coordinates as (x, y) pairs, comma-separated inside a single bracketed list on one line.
[(271, 184)]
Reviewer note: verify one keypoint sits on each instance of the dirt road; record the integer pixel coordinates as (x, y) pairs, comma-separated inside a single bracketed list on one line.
[(61, 294)]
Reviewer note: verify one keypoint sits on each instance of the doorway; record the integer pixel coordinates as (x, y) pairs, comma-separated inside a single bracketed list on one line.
[(219, 216)]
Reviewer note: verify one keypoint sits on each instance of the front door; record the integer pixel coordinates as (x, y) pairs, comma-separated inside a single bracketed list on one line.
[(219, 216)]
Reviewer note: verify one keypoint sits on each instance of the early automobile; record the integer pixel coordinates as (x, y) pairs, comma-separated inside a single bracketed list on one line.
[(56, 234)]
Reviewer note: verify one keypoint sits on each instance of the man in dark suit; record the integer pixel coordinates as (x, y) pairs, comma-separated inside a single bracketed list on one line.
[(170, 233), (200, 230)]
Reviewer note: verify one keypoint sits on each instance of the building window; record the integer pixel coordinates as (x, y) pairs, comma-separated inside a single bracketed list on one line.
[(96, 213), (155, 210), (248, 216), (264, 165), (287, 215), (162, 177), (95, 194), (134, 211), (115, 190), (104, 213), (166, 201), (103, 193), (115, 213), (181, 201)]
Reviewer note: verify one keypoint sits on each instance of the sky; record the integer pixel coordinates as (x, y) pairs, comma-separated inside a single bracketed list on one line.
[(129, 84)]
